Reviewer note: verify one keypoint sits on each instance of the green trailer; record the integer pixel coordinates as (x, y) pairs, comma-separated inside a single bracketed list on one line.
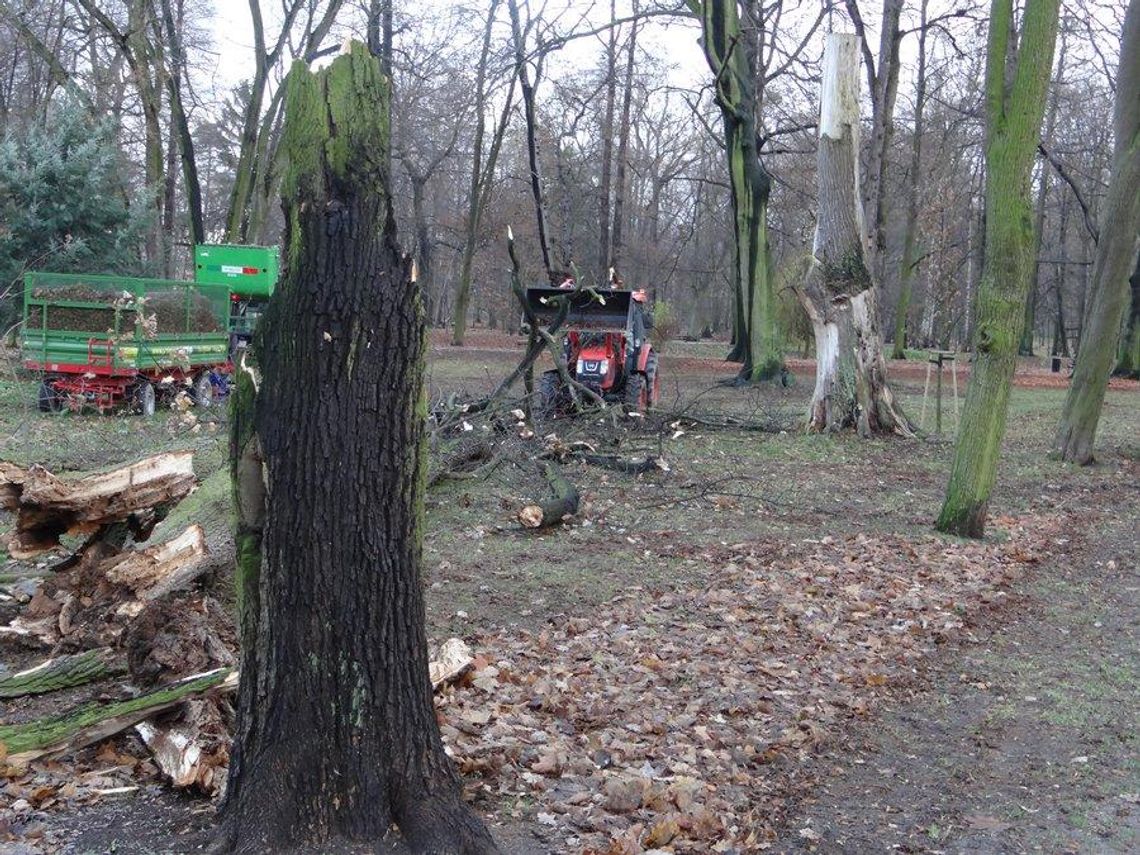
[(250, 273), (104, 341)]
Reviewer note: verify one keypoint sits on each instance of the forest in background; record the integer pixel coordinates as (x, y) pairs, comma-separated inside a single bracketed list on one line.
[(122, 145)]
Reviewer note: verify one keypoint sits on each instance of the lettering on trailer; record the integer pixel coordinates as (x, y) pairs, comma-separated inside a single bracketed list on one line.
[(234, 270)]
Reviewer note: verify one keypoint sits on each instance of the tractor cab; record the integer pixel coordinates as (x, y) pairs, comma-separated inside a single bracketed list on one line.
[(606, 345)]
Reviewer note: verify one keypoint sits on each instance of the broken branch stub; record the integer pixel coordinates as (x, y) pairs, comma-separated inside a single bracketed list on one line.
[(47, 507)]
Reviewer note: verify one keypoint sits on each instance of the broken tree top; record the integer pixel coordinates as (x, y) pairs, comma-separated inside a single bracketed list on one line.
[(47, 507)]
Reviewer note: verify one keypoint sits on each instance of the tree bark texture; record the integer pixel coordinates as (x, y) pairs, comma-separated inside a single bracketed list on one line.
[(530, 113), (482, 176), (1128, 364), (839, 293), (337, 735), (1018, 67), (1115, 258), (1025, 348), (910, 234), (617, 236), (605, 189), (756, 340)]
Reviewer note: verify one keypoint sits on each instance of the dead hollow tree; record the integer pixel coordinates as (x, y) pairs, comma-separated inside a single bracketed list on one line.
[(337, 736), (839, 292)]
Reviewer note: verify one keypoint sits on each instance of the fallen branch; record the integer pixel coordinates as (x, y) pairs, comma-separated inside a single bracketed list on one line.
[(626, 465), (554, 511), (90, 723), (47, 507), (62, 672), (162, 568)]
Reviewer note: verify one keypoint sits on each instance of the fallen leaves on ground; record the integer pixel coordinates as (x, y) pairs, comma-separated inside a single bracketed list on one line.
[(680, 718)]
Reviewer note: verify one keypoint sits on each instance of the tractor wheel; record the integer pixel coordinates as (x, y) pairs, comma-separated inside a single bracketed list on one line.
[(549, 394), (654, 378), (49, 399), (637, 392), (203, 390), (143, 398)]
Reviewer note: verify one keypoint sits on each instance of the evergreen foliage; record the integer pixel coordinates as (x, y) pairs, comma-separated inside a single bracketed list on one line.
[(63, 206)]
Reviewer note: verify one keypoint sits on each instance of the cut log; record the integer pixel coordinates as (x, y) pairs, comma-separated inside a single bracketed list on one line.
[(162, 568), (61, 673), (192, 752), (78, 728), (453, 660), (47, 507), (554, 511)]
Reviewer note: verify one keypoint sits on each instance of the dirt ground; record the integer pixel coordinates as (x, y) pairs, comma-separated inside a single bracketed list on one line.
[(982, 700)]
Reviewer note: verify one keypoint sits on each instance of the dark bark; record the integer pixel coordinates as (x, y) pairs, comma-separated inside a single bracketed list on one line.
[(337, 735), (180, 126), (606, 186), (530, 114), (623, 152)]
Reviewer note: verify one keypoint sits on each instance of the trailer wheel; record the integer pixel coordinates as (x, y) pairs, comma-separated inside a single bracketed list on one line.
[(143, 399), (204, 390), (49, 399)]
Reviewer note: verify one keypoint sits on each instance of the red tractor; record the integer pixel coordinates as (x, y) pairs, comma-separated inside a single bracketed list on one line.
[(606, 347)]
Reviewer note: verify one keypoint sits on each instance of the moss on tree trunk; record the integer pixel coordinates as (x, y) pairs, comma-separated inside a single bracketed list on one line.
[(839, 294), (337, 735), (1115, 259), (756, 341), (1128, 365), (1017, 75)]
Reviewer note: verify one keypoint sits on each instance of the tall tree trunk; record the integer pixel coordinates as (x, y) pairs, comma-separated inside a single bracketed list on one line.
[(1026, 346), (605, 188), (623, 150), (884, 91), (1128, 364), (756, 341), (530, 114), (1115, 257), (1017, 77), (910, 235), (337, 736), (839, 293), (481, 176), (180, 125), (1060, 333)]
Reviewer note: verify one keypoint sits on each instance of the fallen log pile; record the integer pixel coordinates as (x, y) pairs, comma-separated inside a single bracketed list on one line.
[(135, 617)]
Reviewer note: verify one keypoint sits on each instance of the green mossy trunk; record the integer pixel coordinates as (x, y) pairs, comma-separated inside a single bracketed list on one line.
[(1115, 258), (1128, 365), (756, 341), (1014, 111), (61, 673), (337, 736), (91, 722)]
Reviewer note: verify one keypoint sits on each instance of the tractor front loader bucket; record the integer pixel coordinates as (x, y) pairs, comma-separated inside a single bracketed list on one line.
[(609, 310)]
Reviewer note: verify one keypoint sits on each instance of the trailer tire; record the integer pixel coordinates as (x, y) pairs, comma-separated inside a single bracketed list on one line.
[(203, 390), (143, 400), (49, 400)]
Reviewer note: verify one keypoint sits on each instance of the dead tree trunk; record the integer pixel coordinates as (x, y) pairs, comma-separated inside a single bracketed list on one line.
[(839, 294), (337, 736)]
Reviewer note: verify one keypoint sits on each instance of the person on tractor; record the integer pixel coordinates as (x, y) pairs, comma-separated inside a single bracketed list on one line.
[(606, 345)]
